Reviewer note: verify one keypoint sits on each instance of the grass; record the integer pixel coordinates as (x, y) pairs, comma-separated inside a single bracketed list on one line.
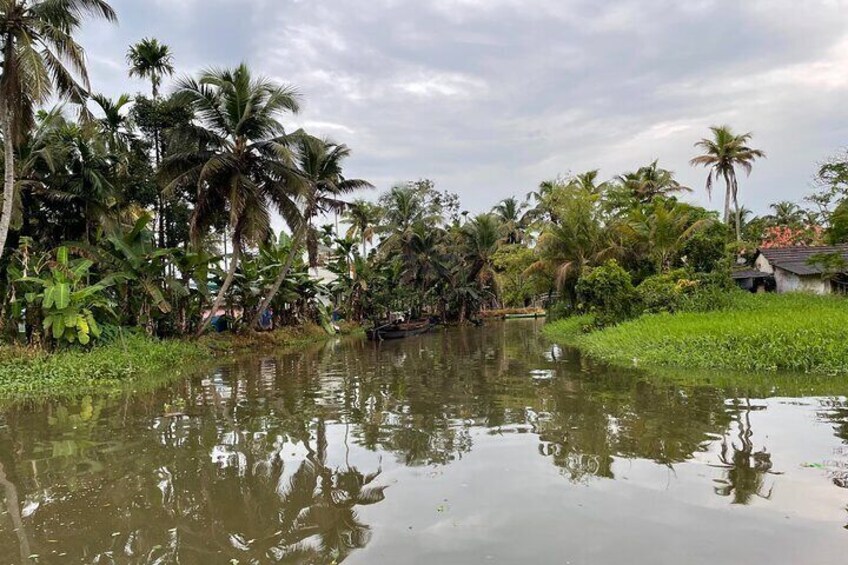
[(796, 333), (131, 364), (107, 369)]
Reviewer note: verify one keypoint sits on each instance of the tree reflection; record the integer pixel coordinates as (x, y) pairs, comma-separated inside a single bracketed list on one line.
[(248, 466), (746, 469)]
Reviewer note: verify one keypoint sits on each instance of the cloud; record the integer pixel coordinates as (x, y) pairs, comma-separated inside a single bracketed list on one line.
[(489, 97)]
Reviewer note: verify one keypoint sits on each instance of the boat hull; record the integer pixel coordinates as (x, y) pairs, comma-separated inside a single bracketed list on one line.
[(391, 333)]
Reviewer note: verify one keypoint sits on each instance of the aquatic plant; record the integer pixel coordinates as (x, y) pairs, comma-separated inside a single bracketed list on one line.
[(793, 332)]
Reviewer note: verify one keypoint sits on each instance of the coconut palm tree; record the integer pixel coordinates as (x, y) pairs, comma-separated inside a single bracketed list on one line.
[(578, 238), (115, 124), (787, 213), (721, 155), (149, 59), (363, 217), (319, 175), (662, 229), (650, 182), (242, 165), (513, 218), (588, 181), (40, 60)]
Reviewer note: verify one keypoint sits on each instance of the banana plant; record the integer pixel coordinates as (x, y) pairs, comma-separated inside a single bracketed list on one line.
[(140, 269), (67, 302)]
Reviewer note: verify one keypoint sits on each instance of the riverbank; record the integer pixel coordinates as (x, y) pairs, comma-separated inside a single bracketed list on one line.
[(132, 363), (765, 333)]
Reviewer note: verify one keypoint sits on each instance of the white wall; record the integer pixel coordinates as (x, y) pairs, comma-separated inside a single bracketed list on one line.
[(762, 265), (790, 282)]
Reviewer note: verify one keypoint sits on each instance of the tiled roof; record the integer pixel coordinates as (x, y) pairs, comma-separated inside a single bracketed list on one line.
[(795, 259), (749, 274)]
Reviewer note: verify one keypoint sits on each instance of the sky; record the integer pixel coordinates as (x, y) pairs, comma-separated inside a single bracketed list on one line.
[(490, 97)]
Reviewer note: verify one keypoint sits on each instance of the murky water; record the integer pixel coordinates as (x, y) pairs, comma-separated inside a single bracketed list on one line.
[(467, 446)]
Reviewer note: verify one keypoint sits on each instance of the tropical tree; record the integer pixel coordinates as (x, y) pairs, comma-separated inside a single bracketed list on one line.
[(40, 60), (513, 219), (363, 217), (242, 165), (721, 155), (650, 182), (577, 239), (321, 185), (114, 123), (786, 213), (149, 59), (662, 229), (85, 179)]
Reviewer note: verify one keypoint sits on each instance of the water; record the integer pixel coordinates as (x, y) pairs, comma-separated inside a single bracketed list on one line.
[(468, 446)]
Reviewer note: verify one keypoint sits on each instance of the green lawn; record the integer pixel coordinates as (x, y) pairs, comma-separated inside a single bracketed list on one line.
[(766, 332)]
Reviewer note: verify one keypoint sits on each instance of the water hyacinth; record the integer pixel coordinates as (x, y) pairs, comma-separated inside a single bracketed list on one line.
[(792, 332)]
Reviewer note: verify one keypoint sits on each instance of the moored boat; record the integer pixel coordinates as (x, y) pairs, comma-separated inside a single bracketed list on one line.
[(399, 330), (525, 316)]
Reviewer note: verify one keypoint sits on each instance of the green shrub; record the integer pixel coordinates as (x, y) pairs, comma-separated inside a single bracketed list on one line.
[(559, 311), (666, 292), (607, 292)]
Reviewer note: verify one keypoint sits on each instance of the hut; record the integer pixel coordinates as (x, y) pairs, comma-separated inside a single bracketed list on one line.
[(794, 269)]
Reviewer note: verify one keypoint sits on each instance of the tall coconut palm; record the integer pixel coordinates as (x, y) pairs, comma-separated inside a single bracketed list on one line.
[(149, 59), (40, 60), (242, 166), (651, 182), (319, 174), (588, 181), (787, 213), (721, 155), (114, 124), (363, 217), (514, 221)]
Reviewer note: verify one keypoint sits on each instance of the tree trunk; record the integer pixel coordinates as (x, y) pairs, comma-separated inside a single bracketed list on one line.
[(275, 288), (726, 199), (231, 273), (738, 223), (8, 179)]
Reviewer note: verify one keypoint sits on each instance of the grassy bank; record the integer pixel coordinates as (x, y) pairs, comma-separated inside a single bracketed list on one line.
[(794, 333), (105, 369), (133, 363)]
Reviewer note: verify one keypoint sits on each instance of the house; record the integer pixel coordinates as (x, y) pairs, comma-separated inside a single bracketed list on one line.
[(791, 270)]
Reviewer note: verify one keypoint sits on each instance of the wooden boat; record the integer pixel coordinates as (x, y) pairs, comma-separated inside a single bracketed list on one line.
[(533, 315), (400, 330)]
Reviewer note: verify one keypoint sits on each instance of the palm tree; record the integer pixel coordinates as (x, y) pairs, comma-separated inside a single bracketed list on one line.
[(787, 213), (514, 221), (650, 182), (319, 174), (577, 239), (86, 176), (363, 217), (40, 60), (242, 165), (722, 154), (588, 181), (152, 60), (114, 123), (663, 229)]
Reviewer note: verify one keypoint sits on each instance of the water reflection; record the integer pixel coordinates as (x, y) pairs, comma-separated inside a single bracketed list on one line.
[(746, 469), (282, 458)]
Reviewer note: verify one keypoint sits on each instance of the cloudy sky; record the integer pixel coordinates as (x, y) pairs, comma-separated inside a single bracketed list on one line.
[(489, 97)]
